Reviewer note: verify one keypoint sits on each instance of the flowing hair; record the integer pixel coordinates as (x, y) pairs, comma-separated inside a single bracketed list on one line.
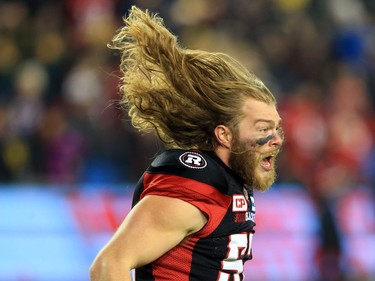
[(178, 93)]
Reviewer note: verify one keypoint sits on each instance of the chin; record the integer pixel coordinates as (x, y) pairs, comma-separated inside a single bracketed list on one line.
[(264, 181), (262, 188)]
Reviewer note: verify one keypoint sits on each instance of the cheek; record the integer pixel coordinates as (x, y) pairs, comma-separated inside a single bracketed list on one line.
[(250, 142), (246, 136), (245, 133)]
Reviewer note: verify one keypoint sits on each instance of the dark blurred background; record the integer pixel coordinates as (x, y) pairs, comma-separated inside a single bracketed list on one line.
[(60, 127)]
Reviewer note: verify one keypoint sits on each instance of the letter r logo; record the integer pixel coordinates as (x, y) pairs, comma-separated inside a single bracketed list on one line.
[(193, 159)]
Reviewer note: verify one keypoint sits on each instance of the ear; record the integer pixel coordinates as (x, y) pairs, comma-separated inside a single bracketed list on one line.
[(223, 135)]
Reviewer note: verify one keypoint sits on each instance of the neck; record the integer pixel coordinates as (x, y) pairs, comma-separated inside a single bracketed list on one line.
[(223, 153)]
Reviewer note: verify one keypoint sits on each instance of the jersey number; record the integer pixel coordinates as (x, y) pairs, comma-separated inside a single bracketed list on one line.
[(239, 248)]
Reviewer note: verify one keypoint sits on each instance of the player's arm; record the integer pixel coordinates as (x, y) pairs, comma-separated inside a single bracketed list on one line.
[(153, 227)]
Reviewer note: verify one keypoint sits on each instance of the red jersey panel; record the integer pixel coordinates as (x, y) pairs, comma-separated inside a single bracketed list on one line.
[(219, 250)]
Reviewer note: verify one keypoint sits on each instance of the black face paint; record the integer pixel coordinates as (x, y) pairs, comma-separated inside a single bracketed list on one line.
[(263, 141)]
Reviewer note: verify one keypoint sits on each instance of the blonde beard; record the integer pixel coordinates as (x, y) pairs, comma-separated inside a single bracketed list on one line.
[(263, 184), (246, 164)]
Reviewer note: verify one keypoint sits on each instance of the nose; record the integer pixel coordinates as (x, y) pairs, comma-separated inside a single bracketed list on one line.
[(278, 139)]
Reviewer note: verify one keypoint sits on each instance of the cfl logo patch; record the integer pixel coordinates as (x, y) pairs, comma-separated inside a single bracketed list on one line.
[(239, 203)]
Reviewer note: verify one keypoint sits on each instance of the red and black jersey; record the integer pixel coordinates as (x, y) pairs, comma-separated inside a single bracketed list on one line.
[(219, 250)]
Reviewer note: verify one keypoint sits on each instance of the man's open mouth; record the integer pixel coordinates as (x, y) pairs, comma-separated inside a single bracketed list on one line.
[(267, 162)]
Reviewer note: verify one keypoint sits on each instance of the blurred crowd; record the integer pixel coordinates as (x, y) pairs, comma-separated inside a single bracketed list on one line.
[(59, 122), (58, 84)]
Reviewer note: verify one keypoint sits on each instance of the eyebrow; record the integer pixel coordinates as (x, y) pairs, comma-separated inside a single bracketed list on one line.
[(267, 121)]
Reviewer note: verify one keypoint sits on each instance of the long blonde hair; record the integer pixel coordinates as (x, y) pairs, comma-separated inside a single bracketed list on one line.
[(180, 94)]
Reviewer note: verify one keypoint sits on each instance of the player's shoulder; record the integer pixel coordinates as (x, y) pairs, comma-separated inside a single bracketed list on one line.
[(191, 159), (202, 166)]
